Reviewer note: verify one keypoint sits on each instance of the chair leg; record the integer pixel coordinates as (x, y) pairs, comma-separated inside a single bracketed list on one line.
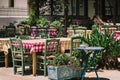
[(15, 70), (14, 67), (45, 67), (38, 64), (23, 68)]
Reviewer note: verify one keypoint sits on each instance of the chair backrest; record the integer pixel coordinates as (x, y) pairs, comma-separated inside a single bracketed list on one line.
[(75, 43), (39, 32), (79, 30), (10, 31), (16, 47), (43, 32), (2, 33), (52, 46), (24, 37)]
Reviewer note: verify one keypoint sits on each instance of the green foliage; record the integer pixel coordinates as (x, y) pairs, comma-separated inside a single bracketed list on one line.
[(63, 59), (77, 53), (24, 21), (106, 40), (24, 37), (31, 20), (43, 22), (56, 23)]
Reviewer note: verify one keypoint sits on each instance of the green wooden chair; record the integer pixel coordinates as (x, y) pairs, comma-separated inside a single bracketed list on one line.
[(24, 37), (20, 57), (51, 48), (10, 31), (42, 33), (76, 28), (75, 43)]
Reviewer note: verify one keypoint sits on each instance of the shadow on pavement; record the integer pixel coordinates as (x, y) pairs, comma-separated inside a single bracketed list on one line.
[(89, 78)]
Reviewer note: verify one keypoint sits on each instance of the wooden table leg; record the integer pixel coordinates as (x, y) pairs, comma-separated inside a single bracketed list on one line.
[(6, 60), (34, 63)]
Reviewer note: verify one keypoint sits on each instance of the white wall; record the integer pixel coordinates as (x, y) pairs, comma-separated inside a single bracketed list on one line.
[(9, 15), (4, 3), (20, 4), (17, 3)]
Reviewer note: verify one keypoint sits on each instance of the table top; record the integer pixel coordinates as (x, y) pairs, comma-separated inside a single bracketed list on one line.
[(43, 40)]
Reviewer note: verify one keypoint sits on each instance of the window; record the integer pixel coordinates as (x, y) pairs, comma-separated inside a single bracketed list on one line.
[(51, 7), (11, 3)]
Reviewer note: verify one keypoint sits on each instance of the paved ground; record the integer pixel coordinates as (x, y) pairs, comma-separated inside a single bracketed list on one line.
[(7, 74)]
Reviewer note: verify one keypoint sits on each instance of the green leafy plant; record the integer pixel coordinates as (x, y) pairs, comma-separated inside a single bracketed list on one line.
[(24, 37), (63, 59), (43, 22), (25, 21), (108, 57), (31, 20), (56, 24)]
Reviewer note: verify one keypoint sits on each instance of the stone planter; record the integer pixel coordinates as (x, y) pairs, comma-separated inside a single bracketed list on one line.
[(62, 72)]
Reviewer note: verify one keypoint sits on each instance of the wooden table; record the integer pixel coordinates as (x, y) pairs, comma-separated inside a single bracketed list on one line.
[(37, 45)]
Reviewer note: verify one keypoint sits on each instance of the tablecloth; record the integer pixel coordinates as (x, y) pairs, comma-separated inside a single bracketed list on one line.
[(117, 35), (4, 45)]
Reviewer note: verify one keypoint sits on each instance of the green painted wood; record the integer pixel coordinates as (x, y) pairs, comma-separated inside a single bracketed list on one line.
[(46, 55), (20, 57)]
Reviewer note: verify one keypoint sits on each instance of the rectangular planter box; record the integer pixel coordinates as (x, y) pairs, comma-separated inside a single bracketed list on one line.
[(62, 72)]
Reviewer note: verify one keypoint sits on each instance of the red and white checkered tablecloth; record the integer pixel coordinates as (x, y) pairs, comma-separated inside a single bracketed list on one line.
[(110, 30), (117, 35), (4, 45), (36, 45)]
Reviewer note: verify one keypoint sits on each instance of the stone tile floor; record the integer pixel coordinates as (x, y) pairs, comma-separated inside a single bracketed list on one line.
[(7, 74)]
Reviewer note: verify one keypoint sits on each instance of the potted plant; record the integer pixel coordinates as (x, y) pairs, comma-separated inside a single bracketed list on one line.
[(25, 21), (63, 67), (58, 26), (43, 23)]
